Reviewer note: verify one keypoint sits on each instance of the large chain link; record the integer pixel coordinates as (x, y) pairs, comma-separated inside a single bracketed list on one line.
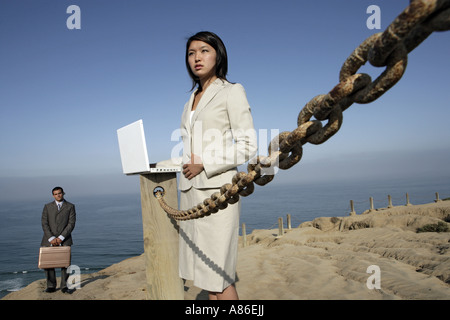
[(387, 49)]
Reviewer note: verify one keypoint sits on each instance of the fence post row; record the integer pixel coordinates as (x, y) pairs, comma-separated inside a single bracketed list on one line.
[(352, 212)]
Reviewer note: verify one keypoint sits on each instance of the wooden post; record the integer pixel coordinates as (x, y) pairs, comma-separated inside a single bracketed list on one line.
[(389, 202), (371, 204), (288, 221), (280, 227), (437, 197), (352, 208), (160, 238), (407, 200), (244, 236)]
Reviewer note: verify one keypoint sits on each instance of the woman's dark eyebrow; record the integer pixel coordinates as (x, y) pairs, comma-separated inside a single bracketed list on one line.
[(202, 47)]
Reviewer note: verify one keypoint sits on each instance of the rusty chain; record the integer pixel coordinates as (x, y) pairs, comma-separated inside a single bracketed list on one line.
[(387, 49)]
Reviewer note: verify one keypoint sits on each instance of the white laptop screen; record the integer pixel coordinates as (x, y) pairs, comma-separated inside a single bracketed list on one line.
[(133, 148)]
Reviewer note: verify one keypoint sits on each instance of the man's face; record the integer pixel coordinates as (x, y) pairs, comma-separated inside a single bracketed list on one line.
[(58, 195)]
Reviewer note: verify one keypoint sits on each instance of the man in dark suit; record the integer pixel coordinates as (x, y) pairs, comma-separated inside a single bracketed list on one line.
[(58, 221)]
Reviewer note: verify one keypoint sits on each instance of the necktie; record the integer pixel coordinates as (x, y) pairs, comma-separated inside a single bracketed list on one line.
[(59, 206)]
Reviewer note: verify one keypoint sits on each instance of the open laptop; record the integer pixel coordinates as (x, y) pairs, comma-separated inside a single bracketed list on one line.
[(133, 151)]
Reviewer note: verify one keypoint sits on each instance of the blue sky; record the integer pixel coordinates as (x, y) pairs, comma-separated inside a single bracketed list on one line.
[(64, 93)]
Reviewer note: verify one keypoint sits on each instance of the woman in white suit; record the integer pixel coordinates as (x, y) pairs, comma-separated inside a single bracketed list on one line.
[(218, 135)]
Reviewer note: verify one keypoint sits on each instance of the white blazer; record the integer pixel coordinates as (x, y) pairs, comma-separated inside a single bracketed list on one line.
[(221, 134)]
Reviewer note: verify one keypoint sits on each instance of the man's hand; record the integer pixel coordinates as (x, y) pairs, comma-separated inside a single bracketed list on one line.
[(56, 242), (190, 170)]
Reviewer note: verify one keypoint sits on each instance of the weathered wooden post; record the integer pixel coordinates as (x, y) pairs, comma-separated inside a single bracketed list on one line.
[(280, 227), (407, 200), (437, 197), (371, 204), (389, 201), (352, 208), (244, 236), (160, 238), (288, 222)]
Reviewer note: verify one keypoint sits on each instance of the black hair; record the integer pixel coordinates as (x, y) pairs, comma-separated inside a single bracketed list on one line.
[(221, 55), (58, 188)]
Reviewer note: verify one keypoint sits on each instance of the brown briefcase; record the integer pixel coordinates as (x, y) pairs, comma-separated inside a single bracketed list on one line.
[(54, 257)]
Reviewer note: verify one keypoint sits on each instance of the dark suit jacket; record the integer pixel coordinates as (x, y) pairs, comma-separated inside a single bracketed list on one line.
[(56, 223)]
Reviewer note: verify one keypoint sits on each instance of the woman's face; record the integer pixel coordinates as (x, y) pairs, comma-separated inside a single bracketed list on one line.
[(202, 59)]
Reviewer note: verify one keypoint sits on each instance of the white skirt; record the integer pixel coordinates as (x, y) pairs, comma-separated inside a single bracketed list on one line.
[(208, 245)]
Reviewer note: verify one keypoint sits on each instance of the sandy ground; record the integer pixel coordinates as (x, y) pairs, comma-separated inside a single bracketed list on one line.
[(327, 258)]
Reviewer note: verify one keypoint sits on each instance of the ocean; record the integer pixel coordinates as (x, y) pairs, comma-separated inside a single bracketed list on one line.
[(109, 227)]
